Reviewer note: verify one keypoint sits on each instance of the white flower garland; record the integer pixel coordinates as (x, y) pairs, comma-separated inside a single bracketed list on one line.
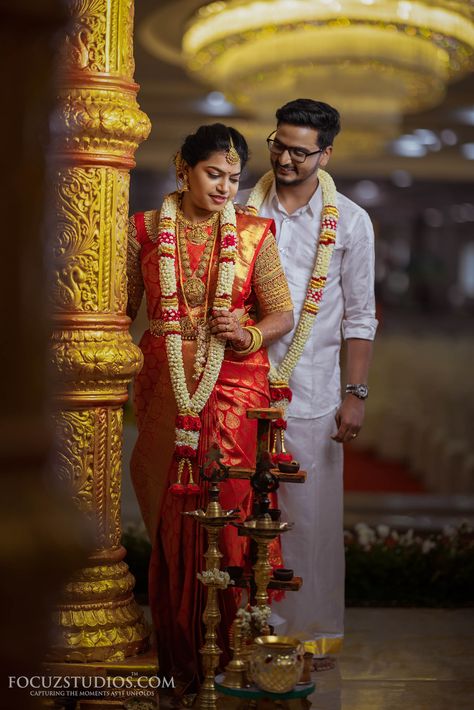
[(189, 407), (254, 620), (279, 376), (215, 578)]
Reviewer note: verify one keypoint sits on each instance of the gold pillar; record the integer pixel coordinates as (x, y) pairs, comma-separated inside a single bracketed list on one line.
[(97, 127)]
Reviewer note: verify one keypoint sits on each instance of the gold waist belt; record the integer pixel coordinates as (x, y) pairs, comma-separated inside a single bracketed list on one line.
[(188, 330)]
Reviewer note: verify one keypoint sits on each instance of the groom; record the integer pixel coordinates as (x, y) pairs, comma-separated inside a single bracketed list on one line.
[(318, 421)]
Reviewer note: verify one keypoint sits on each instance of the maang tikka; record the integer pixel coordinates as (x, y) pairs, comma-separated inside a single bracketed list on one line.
[(231, 154)]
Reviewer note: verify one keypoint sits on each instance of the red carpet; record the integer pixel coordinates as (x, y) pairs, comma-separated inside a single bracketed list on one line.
[(365, 472)]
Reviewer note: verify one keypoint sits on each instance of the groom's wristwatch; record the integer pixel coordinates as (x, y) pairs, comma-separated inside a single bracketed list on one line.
[(360, 391)]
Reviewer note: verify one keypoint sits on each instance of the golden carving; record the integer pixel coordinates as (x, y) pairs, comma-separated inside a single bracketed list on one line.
[(92, 632), (98, 582), (75, 456), (85, 43), (100, 121), (100, 38), (115, 476), (89, 460), (120, 242), (77, 244), (125, 54), (100, 476), (98, 126), (89, 268), (94, 361), (98, 619)]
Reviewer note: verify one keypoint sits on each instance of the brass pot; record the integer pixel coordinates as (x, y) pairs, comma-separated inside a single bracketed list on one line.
[(276, 663)]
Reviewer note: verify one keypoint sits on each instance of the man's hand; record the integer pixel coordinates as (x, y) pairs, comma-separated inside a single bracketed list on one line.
[(349, 418), (243, 209)]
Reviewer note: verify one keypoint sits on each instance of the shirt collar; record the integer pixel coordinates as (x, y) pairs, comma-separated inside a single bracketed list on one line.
[(313, 206)]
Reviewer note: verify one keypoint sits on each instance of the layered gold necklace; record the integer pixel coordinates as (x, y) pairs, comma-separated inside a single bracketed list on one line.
[(194, 288)]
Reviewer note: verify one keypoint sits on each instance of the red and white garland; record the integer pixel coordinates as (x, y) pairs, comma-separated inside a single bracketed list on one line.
[(188, 422), (279, 376)]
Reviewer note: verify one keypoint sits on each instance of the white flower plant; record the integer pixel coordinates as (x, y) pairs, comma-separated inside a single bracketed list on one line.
[(366, 537)]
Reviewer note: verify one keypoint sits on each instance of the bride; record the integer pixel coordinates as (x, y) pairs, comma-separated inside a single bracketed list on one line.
[(216, 297)]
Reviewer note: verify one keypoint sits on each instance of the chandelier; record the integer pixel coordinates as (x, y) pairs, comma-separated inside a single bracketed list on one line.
[(374, 60)]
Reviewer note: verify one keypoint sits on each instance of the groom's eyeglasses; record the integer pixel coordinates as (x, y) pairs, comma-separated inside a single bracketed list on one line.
[(298, 155)]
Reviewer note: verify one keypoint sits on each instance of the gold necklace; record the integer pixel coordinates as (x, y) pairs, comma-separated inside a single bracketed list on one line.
[(194, 289), (197, 233)]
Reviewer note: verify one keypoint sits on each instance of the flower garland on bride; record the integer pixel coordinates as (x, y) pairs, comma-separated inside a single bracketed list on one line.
[(188, 422), (279, 376)]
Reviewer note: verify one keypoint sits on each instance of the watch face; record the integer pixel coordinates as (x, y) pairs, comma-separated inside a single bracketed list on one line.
[(361, 391)]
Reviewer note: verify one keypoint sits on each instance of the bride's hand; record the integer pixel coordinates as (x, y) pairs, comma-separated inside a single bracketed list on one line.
[(225, 325)]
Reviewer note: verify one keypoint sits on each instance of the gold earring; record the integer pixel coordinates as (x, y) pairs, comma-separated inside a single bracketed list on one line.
[(182, 181)]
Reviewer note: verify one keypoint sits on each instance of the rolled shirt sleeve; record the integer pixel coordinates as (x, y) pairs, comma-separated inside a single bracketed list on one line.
[(357, 281)]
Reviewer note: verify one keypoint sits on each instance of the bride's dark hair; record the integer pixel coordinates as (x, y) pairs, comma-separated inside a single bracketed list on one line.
[(211, 139)]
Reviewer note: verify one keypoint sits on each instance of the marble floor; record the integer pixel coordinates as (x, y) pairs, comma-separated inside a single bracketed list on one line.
[(394, 659)]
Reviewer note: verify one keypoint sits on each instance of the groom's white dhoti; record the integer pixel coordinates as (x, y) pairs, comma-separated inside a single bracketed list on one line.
[(314, 549)]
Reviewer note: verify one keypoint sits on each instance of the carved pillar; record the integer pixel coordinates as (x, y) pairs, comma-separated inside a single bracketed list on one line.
[(97, 128)]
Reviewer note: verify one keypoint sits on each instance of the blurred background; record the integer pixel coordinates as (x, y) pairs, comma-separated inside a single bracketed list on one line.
[(401, 74)]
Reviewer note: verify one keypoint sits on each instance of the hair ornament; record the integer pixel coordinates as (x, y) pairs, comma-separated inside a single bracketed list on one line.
[(231, 155)]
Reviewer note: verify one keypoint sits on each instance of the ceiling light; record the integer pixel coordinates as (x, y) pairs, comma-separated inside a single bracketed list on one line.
[(374, 61), (428, 138), (216, 104), (468, 151), (449, 137), (466, 115), (408, 146), (404, 10), (401, 178), (366, 192)]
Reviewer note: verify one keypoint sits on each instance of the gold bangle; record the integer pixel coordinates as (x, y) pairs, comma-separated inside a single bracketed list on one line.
[(258, 337), (255, 343)]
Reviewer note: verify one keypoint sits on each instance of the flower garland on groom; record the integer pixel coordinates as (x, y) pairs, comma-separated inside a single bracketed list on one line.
[(279, 376)]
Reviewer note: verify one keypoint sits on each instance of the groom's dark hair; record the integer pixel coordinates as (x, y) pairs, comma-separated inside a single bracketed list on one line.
[(312, 114)]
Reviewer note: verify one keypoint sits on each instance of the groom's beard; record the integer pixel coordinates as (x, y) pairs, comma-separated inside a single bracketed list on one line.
[(293, 178)]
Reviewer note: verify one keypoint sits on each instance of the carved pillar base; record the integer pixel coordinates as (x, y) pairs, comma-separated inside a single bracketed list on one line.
[(99, 620)]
